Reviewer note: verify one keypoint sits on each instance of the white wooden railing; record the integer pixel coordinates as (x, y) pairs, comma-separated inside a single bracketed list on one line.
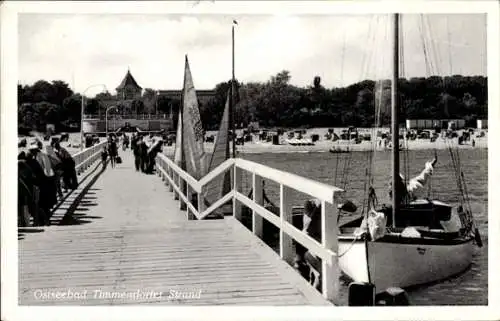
[(184, 186), (87, 157)]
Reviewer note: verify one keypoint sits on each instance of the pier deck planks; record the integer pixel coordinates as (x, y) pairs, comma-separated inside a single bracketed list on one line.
[(132, 236)]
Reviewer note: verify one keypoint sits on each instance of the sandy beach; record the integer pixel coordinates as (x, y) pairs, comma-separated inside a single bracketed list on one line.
[(323, 145)]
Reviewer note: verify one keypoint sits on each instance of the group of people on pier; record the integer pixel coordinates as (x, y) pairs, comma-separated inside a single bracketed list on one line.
[(145, 149), (43, 173)]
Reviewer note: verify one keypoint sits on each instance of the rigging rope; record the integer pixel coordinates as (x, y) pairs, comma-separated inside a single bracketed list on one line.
[(337, 158), (406, 162), (365, 67), (356, 237), (369, 198)]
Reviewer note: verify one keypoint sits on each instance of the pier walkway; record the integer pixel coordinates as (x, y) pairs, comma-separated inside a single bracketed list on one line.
[(121, 239)]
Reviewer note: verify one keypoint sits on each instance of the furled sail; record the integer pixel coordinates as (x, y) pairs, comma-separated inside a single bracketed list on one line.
[(178, 143), (192, 129), (220, 186)]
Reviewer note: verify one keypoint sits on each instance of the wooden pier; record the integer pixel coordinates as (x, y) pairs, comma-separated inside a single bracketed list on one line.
[(124, 240)]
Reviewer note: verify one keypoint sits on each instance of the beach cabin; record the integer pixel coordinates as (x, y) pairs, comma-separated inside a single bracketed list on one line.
[(435, 123), (482, 124)]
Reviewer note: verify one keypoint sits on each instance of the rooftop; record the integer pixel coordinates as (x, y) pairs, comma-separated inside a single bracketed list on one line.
[(128, 81)]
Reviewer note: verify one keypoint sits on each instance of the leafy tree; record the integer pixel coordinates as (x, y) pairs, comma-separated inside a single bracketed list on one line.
[(104, 96), (149, 97), (137, 106), (276, 102), (72, 108)]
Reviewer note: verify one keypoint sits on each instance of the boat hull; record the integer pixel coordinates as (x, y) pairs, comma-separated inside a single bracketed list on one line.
[(407, 262)]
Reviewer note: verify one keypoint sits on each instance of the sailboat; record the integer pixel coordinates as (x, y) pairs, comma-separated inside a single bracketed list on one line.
[(414, 241)]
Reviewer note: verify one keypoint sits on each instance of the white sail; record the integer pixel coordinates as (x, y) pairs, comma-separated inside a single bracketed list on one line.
[(193, 134)]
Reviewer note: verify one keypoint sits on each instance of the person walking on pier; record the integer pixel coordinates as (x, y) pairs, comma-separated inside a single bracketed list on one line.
[(112, 150), (125, 142), (144, 155), (136, 149), (152, 152), (104, 157), (133, 143)]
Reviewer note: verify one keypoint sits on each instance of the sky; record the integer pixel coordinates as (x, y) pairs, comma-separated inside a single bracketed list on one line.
[(89, 49)]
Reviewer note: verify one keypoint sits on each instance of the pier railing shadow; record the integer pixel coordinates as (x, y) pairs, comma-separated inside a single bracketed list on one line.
[(191, 194), (72, 215), (83, 161)]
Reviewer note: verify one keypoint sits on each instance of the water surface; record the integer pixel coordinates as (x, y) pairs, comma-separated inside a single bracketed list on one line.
[(349, 171)]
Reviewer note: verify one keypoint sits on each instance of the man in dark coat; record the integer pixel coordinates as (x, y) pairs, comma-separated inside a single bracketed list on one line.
[(144, 155), (68, 167), (133, 142), (136, 148), (25, 191), (154, 150), (32, 173)]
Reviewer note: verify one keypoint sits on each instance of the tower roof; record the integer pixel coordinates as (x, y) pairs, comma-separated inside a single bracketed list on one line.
[(128, 81)]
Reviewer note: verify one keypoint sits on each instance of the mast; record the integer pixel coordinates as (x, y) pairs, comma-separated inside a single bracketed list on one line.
[(231, 102), (395, 123)]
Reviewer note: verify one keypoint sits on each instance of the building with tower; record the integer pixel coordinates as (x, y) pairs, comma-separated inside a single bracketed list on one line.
[(129, 88)]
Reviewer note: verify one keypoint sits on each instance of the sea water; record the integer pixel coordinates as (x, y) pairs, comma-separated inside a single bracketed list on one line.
[(349, 171)]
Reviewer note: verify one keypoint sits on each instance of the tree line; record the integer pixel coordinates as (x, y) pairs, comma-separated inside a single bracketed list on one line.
[(274, 103)]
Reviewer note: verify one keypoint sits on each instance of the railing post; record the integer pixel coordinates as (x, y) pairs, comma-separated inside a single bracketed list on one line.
[(183, 188), (78, 161), (201, 200), (286, 243), (158, 165), (189, 196), (169, 174), (257, 220), (177, 179), (330, 270), (237, 187), (161, 164)]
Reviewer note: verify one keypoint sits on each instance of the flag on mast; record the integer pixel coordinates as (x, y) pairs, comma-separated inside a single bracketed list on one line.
[(192, 129)]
